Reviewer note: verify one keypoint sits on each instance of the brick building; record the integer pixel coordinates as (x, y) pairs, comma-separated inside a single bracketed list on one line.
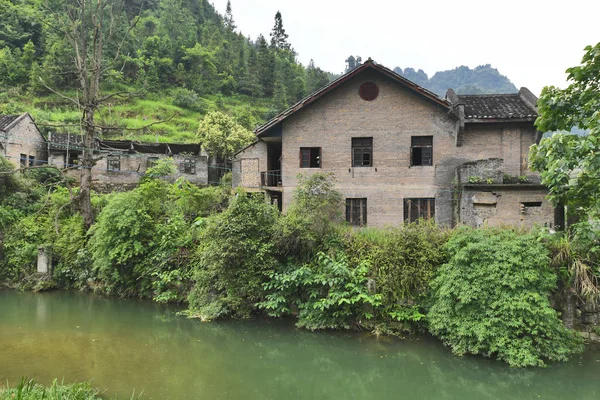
[(21, 141), (399, 152)]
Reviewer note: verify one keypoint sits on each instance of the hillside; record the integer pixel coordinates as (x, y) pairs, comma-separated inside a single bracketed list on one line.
[(181, 58), (464, 80)]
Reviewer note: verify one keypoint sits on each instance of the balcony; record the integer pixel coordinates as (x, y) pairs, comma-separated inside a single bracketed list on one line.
[(270, 178)]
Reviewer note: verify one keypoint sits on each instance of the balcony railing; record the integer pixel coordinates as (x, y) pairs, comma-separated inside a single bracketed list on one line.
[(270, 178)]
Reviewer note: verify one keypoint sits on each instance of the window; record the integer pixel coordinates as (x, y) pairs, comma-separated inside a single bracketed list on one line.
[(151, 162), (23, 160), (310, 157), (356, 211), (113, 163), (415, 209), (188, 166), (421, 150), (362, 152), (31, 161)]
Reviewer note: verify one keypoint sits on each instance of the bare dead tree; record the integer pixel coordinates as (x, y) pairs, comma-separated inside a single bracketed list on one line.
[(88, 26)]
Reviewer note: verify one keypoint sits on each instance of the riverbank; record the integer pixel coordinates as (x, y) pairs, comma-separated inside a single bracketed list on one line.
[(234, 256)]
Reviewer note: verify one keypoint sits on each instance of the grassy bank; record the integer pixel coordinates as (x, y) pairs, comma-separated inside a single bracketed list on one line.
[(30, 390)]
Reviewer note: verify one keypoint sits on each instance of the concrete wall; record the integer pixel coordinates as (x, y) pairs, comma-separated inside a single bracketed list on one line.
[(391, 119), (23, 137)]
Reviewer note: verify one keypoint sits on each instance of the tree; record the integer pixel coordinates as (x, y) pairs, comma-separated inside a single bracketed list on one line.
[(569, 164), (89, 27), (221, 136), (278, 35), (229, 23)]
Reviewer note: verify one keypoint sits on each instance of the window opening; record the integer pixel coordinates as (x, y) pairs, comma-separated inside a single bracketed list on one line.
[(113, 163), (415, 209), (188, 166), (362, 152), (421, 150), (310, 157), (356, 211)]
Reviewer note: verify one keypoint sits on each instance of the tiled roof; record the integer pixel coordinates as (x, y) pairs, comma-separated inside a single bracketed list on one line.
[(6, 120), (496, 106)]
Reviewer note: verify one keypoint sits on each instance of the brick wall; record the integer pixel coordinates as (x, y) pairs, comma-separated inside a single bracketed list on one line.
[(391, 119), (24, 138)]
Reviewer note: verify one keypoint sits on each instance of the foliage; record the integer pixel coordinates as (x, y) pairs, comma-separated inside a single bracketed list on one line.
[(569, 164), (234, 259), (491, 298), (221, 136), (30, 390), (143, 240), (328, 293), (312, 218), (403, 261)]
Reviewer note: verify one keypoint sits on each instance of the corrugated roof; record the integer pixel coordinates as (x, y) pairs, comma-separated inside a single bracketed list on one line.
[(496, 106), (6, 120)]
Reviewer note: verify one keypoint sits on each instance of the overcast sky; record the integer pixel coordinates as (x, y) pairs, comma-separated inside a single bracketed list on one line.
[(532, 42)]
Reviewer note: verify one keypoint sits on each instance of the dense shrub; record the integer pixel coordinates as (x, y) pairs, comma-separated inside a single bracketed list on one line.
[(404, 261), (234, 259), (311, 220), (328, 293), (491, 298)]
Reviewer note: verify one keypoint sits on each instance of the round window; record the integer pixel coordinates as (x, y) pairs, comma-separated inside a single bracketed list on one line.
[(368, 91)]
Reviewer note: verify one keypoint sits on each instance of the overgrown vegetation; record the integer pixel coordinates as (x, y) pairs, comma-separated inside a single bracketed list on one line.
[(492, 298), (234, 255)]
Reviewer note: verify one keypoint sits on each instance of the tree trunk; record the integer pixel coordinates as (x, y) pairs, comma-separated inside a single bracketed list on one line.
[(87, 163)]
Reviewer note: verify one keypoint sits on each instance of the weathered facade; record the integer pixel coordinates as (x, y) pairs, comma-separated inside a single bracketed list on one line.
[(21, 141), (399, 152), (121, 163)]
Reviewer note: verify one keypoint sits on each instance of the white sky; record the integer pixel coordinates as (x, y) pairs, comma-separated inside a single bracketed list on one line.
[(532, 42)]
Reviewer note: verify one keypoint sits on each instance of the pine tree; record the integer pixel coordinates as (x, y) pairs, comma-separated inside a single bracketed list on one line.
[(278, 35), (229, 23)]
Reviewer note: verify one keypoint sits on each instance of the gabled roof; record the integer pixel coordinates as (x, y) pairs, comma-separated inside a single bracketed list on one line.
[(368, 65), (496, 106), (7, 120)]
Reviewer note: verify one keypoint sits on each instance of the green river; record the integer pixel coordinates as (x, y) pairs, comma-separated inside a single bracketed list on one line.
[(124, 346)]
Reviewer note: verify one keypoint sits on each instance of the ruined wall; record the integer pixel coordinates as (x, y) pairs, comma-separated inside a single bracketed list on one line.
[(132, 168), (24, 138)]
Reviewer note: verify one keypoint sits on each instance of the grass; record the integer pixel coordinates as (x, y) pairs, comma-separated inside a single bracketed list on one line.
[(180, 124), (29, 390)]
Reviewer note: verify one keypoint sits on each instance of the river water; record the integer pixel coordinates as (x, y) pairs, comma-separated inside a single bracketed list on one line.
[(127, 346)]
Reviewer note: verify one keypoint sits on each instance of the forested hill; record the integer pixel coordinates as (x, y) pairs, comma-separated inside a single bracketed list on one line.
[(464, 80), (182, 56)]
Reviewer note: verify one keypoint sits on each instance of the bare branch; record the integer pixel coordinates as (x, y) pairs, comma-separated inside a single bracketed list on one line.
[(76, 102)]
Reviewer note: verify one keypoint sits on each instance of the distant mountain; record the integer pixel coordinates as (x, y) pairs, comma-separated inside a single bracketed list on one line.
[(464, 80)]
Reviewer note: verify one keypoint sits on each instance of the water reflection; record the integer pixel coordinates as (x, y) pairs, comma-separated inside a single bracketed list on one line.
[(126, 345)]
